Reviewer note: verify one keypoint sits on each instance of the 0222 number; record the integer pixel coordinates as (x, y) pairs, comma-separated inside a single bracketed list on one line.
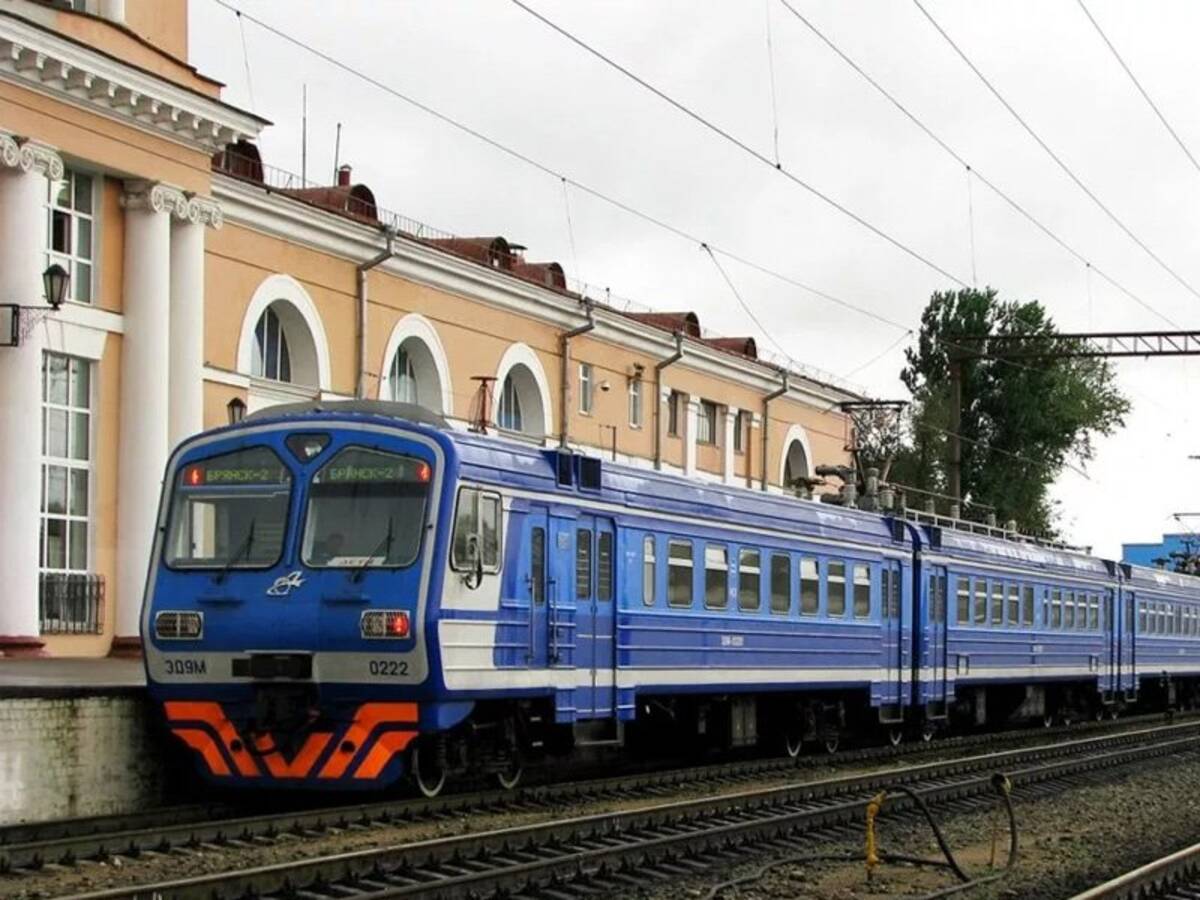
[(394, 668)]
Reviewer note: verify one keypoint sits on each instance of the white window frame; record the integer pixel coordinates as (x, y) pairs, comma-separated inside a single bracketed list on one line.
[(73, 259), (70, 464), (706, 423), (587, 387), (635, 403)]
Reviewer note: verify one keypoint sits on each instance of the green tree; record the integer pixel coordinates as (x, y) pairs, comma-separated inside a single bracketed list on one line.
[(1022, 421)]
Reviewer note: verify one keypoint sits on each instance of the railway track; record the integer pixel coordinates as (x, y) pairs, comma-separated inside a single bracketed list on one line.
[(610, 852), (1174, 877), (65, 842)]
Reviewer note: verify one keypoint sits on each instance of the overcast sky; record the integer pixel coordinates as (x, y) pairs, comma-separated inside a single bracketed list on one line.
[(495, 68)]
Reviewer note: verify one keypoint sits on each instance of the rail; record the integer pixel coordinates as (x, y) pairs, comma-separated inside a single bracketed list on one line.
[(71, 603), (1176, 875)]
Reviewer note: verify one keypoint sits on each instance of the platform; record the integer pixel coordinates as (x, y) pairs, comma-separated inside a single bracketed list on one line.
[(78, 737), (70, 677)]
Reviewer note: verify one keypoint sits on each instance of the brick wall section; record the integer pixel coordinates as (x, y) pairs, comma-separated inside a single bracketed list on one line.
[(77, 756)]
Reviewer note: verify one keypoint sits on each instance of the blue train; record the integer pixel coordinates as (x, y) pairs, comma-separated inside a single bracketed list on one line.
[(343, 594)]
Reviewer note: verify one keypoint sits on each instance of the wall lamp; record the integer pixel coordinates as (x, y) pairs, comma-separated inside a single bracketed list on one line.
[(17, 321), (236, 409)]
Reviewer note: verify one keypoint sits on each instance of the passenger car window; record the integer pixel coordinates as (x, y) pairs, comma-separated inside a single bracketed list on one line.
[(749, 580), (716, 576), (679, 573), (1014, 605), (835, 587), (997, 603), (862, 590), (781, 583), (980, 602), (1027, 604), (963, 610), (810, 587)]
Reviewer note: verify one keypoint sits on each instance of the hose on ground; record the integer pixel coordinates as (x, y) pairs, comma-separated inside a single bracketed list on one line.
[(1000, 783)]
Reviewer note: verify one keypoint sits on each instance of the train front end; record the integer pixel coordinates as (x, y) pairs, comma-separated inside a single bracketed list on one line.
[(285, 614)]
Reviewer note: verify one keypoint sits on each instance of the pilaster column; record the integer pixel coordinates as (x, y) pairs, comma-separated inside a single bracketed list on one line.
[(145, 368), (691, 417), (186, 368), (731, 417), (754, 421), (26, 168)]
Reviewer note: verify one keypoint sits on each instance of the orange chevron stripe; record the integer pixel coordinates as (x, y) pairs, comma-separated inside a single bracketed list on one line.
[(389, 744), (202, 742), (366, 719), (301, 763), (211, 714)]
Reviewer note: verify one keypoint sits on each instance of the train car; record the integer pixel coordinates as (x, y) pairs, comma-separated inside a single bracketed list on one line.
[(1031, 630), (1161, 652), (342, 593)]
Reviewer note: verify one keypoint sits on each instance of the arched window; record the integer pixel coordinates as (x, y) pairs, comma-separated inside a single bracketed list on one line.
[(795, 465), (508, 416), (272, 358), (402, 378)]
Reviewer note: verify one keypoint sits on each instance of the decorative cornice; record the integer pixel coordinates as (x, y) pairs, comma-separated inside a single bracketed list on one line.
[(157, 197), (35, 57), (28, 156)]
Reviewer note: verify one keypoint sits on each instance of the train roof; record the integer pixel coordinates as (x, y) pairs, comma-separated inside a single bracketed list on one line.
[(506, 461), (387, 409), (996, 550), (1161, 579)]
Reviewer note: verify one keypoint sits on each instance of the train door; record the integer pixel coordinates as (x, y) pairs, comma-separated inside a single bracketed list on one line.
[(891, 619), (1127, 656), (538, 584), (1108, 665), (932, 667), (595, 591)]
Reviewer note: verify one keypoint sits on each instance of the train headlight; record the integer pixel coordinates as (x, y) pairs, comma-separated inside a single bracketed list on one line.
[(184, 625), (384, 623)]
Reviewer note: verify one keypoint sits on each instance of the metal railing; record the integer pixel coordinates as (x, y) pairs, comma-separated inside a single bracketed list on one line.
[(71, 603)]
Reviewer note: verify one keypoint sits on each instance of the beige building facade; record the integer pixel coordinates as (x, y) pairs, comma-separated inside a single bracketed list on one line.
[(204, 283)]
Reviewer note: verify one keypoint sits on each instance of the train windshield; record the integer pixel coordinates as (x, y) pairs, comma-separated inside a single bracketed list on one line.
[(229, 512), (366, 509)]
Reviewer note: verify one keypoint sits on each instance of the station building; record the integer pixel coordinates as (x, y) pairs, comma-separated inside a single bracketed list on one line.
[(204, 283)]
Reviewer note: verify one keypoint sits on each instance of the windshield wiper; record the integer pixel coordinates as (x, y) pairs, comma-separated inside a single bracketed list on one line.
[(385, 545), (242, 550)]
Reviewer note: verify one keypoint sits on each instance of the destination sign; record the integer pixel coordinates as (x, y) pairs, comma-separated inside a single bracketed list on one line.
[(399, 470), (211, 476)]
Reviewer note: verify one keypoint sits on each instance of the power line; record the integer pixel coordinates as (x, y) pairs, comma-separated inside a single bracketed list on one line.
[(1141, 90), (548, 170), (972, 170), (771, 70), (880, 355), (1054, 156), (740, 144), (745, 307)]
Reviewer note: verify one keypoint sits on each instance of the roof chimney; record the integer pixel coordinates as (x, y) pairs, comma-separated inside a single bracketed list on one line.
[(343, 176)]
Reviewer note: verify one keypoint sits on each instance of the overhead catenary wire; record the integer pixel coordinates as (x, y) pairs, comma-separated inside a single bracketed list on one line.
[(744, 305), (1137, 84), (741, 144), (597, 194), (1070, 173), (962, 161), (546, 169), (771, 71)]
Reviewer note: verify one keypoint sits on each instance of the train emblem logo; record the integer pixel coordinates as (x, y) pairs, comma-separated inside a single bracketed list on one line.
[(285, 583)]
